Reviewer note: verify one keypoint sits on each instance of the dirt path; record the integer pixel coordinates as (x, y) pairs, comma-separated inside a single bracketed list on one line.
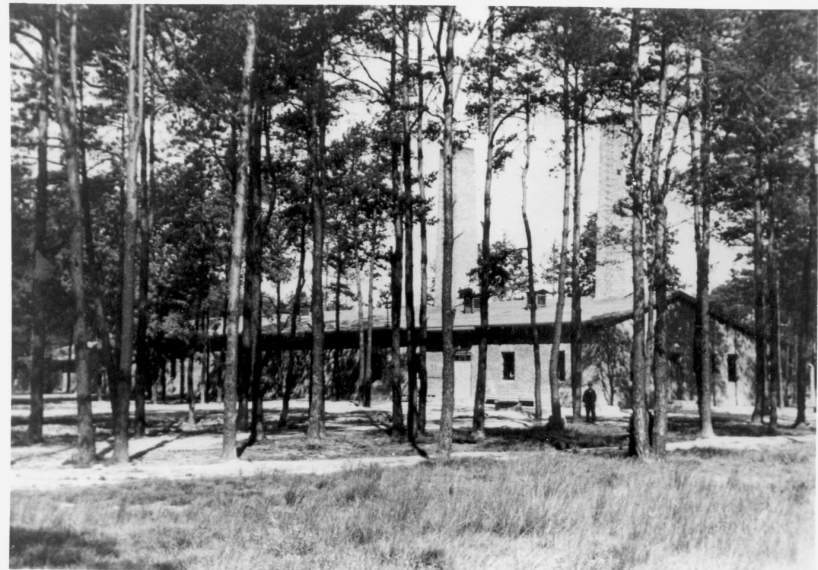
[(39, 479), (358, 438), (99, 474), (733, 443)]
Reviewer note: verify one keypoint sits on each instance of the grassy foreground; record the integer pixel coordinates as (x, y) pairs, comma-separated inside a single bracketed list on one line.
[(550, 510)]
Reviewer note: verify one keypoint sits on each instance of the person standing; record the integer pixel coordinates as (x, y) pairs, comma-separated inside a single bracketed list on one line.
[(589, 399)]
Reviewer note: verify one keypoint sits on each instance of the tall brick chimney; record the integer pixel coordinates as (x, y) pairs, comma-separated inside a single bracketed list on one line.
[(614, 271), (467, 229)]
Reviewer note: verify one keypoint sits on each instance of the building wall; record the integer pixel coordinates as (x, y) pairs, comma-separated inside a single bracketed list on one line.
[(741, 393), (518, 389), (724, 341), (434, 376), (607, 365)]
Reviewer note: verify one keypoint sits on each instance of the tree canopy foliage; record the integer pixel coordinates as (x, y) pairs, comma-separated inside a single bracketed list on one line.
[(157, 160)]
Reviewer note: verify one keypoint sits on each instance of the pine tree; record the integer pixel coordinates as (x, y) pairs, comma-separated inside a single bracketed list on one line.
[(446, 63), (66, 113), (135, 121), (636, 191), (234, 299)]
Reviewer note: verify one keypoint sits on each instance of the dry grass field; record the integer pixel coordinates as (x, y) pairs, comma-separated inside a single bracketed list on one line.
[(547, 510), (741, 505)]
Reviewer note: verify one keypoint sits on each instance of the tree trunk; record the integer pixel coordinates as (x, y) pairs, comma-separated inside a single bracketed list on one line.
[(774, 317), (424, 260), (295, 310), (556, 421), (149, 213), (701, 331), (42, 263), (576, 286), (163, 380), (68, 123), (659, 363), (638, 368), (361, 329), (143, 356), (203, 359), (100, 319), (447, 312), (135, 111), (234, 300), (220, 382), (243, 383), (806, 338), (71, 357), (336, 352), (191, 392), (367, 397), (99, 322), (254, 259), (252, 279), (206, 372), (650, 303), (532, 296), (315, 427), (479, 416), (701, 221), (409, 223), (396, 258), (760, 310), (119, 239), (203, 378), (222, 354)]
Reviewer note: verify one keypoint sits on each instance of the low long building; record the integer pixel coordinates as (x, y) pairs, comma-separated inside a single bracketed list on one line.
[(607, 326), (607, 331)]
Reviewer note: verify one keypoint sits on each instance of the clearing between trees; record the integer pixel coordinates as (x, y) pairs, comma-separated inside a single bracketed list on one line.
[(513, 500)]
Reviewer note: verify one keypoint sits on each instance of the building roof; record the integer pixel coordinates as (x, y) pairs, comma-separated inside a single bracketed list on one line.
[(595, 311), (504, 315), (501, 313), (515, 312)]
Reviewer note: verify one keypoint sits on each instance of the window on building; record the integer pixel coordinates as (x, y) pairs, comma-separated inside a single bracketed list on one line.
[(508, 365), (732, 372), (471, 303), (540, 298), (561, 366)]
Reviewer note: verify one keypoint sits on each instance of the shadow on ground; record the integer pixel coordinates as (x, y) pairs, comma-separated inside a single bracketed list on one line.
[(40, 548), (357, 432), (607, 434), (725, 424)]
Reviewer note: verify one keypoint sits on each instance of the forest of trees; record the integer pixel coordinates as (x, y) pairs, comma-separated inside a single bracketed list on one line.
[(172, 165)]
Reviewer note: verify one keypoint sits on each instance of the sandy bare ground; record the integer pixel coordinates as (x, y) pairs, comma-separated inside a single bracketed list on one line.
[(357, 437)]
